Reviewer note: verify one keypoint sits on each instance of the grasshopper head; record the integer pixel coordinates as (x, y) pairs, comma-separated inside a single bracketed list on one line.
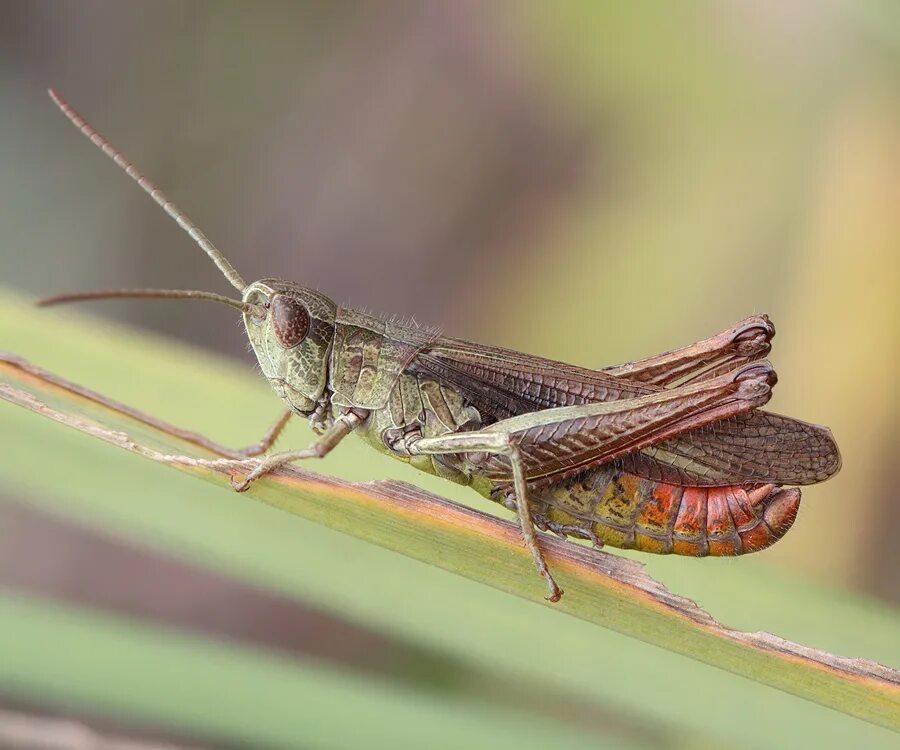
[(290, 329)]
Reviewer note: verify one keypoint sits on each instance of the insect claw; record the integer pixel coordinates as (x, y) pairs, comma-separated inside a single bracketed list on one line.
[(555, 593), (240, 486), (755, 334)]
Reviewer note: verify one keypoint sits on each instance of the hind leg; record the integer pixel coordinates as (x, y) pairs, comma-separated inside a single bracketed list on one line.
[(744, 342)]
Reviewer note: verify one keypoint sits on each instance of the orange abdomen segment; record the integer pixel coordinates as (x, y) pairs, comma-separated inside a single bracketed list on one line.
[(627, 511), (738, 520)]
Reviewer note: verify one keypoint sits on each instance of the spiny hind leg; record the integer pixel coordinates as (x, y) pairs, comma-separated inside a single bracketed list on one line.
[(523, 509), (499, 443), (744, 342)]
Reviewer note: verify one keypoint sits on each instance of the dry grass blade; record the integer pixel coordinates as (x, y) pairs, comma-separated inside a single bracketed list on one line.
[(602, 588)]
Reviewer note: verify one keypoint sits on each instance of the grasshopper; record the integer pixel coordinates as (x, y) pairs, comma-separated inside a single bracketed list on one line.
[(670, 454)]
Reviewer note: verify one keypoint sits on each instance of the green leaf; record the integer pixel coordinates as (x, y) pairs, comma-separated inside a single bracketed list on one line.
[(243, 694), (86, 479)]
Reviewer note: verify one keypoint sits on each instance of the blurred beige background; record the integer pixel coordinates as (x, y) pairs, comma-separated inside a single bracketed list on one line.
[(593, 182)]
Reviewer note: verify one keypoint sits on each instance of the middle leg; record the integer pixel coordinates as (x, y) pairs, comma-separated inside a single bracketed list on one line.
[(502, 444)]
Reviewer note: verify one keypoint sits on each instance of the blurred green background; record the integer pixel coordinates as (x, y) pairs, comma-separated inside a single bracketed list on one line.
[(593, 182)]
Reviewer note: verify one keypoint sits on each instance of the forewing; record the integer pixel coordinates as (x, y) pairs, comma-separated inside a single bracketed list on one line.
[(502, 382), (560, 442), (755, 447)]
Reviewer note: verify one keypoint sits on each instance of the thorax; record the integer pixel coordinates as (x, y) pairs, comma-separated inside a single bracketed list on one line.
[(418, 406)]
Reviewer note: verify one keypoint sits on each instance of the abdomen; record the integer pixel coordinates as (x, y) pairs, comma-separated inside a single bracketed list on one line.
[(627, 511)]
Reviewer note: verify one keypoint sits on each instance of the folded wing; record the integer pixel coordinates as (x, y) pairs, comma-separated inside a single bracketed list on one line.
[(563, 441), (757, 447)]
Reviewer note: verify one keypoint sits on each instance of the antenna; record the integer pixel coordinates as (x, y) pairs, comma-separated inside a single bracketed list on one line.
[(154, 192), (60, 299)]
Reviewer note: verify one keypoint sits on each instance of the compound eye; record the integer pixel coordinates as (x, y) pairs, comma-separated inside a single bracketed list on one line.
[(290, 320)]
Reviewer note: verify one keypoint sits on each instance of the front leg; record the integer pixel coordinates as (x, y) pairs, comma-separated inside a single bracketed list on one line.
[(267, 440), (236, 454), (322, 446), (502, 444)]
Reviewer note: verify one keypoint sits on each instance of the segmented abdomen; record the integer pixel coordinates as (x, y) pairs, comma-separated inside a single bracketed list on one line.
[(624, 510)]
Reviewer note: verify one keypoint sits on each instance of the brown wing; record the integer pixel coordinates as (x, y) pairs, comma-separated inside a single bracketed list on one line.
[(563, 441), (502, 383), (758, 447)]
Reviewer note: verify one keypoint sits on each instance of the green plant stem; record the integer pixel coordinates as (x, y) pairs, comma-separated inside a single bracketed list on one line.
[(601, 588)]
